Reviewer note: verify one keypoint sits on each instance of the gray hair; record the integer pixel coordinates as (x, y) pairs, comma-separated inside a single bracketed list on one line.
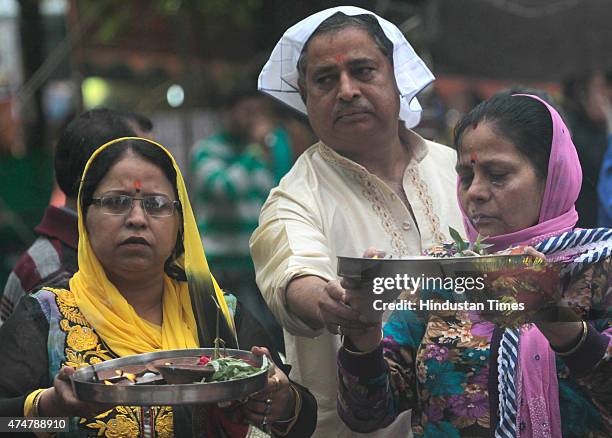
[(340, 21)]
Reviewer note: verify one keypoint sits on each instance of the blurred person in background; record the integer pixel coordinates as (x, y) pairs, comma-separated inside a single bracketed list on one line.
[(233, 172), (604, 187), (296, 124), (584, 105), (54, 253), (369, 179)]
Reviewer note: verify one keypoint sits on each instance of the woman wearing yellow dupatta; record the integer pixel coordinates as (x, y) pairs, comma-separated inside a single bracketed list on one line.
[(143, 285)]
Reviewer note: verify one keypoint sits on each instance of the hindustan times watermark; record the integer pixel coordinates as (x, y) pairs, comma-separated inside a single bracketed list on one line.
[(455, 306), (457, 293), (509, 300)]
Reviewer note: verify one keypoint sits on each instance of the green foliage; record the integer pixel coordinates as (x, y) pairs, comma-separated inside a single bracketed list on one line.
[(114, 17), (227, 368), (464, 248), (461, 244), (110, 16), (230, 368), (478, 246)]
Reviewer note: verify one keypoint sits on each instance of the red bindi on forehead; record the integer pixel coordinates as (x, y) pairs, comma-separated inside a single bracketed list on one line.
[(339, 58), (473, 157), (137, 185)]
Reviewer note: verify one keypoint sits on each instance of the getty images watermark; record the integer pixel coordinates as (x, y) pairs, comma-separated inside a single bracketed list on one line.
[(454, 287)]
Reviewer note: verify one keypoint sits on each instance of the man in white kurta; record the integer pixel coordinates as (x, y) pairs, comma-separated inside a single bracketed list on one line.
[(378, 184)]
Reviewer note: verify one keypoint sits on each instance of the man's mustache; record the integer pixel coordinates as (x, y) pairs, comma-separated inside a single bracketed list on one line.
[(348, 109)]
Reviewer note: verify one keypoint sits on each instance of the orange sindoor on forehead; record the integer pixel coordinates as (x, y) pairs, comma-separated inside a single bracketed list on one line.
[(137, 185), (473, 157), (339, 58)]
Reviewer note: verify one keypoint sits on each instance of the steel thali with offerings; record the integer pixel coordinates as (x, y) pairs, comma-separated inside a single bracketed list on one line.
[(87, 388)]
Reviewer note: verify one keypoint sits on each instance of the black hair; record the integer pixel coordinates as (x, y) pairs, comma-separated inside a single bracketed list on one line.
[(522, 89), (340, 21), (144, 123), (526, 122), (84, 135), (103, 162), (542, 94)]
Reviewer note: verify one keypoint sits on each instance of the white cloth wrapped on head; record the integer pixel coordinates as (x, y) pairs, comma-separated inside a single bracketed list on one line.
[(279, 77)]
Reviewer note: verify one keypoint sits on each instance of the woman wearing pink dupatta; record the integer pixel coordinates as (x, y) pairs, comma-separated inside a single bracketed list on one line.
[(539, 414), (519, 177)]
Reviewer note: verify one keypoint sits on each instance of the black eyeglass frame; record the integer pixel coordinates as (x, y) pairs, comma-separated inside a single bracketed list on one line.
[(98, 202)]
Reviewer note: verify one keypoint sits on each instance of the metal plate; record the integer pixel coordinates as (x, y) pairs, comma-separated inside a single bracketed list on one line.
[(161, 395), (366, 269)]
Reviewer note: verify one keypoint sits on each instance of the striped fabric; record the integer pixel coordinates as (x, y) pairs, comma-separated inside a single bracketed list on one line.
[(51, 256), (506, 369), (583, 247), (41, 260), (231, 182), (579, 247)]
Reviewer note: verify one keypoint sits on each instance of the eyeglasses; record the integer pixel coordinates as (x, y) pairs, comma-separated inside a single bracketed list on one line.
[(120, 205)]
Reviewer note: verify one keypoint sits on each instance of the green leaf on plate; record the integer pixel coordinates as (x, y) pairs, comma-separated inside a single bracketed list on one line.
[(461, 244)]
